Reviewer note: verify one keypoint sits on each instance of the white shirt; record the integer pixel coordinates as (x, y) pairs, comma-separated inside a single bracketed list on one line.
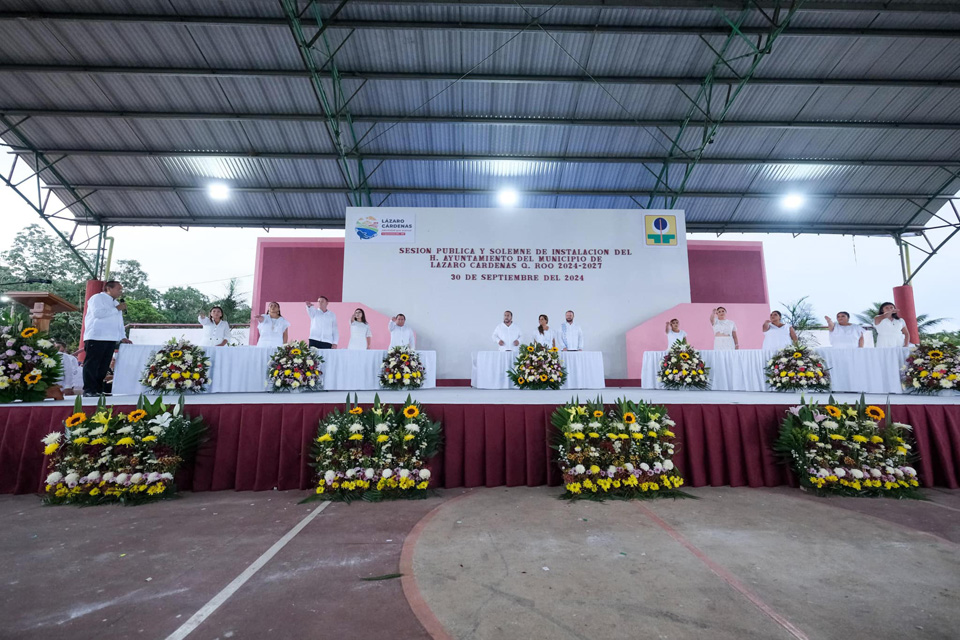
[(509, 335), (359, 332), (271, 331), (323, 325), (549, 338), (676, 336), (777, 337), (571, 337), (890, 332), (72, 372), (214, 333), (846, 336), (724, 326), (401, 336), (103, 321)]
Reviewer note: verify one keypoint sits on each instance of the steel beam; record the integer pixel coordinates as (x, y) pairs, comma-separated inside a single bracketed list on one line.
[(483, 120), (433, 25), (506, 78)]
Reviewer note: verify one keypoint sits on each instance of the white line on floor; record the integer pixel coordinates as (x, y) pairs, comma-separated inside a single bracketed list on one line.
[(196, 619)]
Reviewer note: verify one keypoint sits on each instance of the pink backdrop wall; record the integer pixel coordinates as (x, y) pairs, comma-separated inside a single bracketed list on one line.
[(727, 272)]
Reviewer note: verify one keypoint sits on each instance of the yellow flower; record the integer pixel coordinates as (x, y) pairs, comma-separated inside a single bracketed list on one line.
[(101, 418), (797, 355), (404, 357), (902, 450), (859, 438), (383, 437), (408, 437), (652, 433), (325, 438), (875, 412), (29, 332), (176, 354), (75, 419), (32, 378), (83, 440), (411, 411), (196, 376), (356, 411), (684, 355), (935, 354), (175, 375), (99, 441), (791, 375), (296, 374), (599, 414), (543, 378), (137, 415), (95, 491), (812, 437), (637, 436), (579, 436), (876, 439), (530, 348), (520, 380), (149, 438), (783, 374), (669, 433), (628, 417), (128, 441), (836, 436), (356, 436), (833, 411), (51, 448), (295, 352), (406, 376)]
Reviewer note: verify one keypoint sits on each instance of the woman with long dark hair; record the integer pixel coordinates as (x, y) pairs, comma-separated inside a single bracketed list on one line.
[(216, 329), (272, 326), (360, 334), (545, 335), (891, 329)]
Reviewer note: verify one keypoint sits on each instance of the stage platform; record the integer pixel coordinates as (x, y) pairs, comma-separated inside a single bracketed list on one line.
[(262, 441)]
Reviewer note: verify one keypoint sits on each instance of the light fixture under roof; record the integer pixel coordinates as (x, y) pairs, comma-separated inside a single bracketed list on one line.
[(508, 197), (218, 191), (793, 201)]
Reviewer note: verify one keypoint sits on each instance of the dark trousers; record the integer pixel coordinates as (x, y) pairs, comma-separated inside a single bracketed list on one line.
[(96, 363), (320, 345)]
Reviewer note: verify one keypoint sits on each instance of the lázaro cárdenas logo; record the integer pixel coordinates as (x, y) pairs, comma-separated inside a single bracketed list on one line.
[(367, 227)]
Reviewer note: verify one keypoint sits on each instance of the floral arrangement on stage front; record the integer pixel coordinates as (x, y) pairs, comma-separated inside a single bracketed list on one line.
[(624, 453), (851, 450), (797, 368), (538, 367), (295, 367), (29, 364), (110, 456), (932, 367), (179, 366), (683, 368), (401, 369), (373, 455)]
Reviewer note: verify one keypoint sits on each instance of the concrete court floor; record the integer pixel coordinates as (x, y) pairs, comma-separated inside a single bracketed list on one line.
[(488, 564)]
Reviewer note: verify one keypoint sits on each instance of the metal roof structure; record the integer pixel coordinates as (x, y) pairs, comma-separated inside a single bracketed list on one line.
[(128, 109)]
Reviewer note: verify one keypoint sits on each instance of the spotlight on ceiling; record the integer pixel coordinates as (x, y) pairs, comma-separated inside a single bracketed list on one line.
[(793, 201), (508, 197), (219, 191)]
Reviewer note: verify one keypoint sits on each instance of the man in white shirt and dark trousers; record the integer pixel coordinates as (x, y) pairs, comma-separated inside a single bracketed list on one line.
[(571, 334), (400, 334), (102, 330), (323, 325), (507, 334)]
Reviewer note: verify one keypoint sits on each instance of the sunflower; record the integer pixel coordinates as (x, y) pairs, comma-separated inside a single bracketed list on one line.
[(598, 414), (356, 411), (875, 412), (176, 354), (530, 348), (295, 352), (137, 415), (684, 355), (935, 354), (29, 332), (411, 411), (833, 411), (797, 355), (520, 380), (554, 350), (32, 378), (543, 377), (404, 357), (75, 419), (629, 418)]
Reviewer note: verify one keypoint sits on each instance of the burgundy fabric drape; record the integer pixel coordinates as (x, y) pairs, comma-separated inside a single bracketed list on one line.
[(256, 447)]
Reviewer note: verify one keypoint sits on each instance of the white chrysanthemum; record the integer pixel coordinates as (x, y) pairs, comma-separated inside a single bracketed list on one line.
[(653, 424), (329, 476), (136, 478), (576, 427), (628, 467), (611, 470), (810, 424), (594, 425), (910, 471), (580, 469), (412, 428), (99, 431), (125, 430), (52, 437), (657, 467), (54, 477), (295, 384), (153, 477), (351, 473), (644, 466), (71, 479), (356, 427), (875, 473), (857, 474), (404, 473), (830, 424), (424, 474), (109, 476), (369, 473), (898, 473), (122, 478), (166, 475), (381, 428), (332, 428), (668, 465), (669, 423), (43, 343), (386, 473), (635, 427), (839, 472)]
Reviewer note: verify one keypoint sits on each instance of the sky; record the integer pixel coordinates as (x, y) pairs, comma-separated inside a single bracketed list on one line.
[(838, 273)]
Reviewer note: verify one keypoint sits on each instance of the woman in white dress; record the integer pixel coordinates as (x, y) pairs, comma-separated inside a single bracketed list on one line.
[(360, 335), (776, 334), (544, 334), (272, 327), (724, 331), (891, 329), (216, 329)]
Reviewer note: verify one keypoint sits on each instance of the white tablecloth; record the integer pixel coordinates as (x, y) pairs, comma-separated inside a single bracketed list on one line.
[(244, 369), (584, 369), (856, 370)]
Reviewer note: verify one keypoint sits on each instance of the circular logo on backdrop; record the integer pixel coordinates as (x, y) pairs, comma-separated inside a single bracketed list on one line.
[(661, 224), (367, 228)]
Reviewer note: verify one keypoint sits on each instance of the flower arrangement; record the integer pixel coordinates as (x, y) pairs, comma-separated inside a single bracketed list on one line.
[(683, 368), (932, 367), (377, 454), (797, 368), (178, 366), (851, 450), (295, 367), (401, 369), (109, 456), (29, 364), (624, 453), (538, 367)]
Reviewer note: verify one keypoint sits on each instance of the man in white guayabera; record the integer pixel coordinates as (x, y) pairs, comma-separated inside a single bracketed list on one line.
[(400, 334), (570, 334), (507, 334)]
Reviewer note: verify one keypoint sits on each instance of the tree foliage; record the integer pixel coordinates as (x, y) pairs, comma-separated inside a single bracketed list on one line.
[(181, 304), (136, 282)]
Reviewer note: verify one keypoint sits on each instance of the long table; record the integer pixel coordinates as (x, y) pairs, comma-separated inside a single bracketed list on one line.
[(584, 369), (856, 370), (244, 369)]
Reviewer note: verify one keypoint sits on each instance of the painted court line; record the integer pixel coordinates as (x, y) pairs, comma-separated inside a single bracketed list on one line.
[(725, 575), (196, 619)]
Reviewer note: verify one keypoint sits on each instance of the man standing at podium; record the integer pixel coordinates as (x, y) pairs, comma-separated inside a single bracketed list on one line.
[(571, 335), (400, 334), (323, 325), (102, 330), (507, 334)]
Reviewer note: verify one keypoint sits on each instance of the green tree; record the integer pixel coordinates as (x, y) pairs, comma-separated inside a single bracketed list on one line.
[(136, 282), (234, 304), (181, 304), (925, 324), (142, 312), (800, 315)]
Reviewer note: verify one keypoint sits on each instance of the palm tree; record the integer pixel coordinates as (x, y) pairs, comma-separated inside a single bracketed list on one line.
[(233, 304), (925, 324)]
